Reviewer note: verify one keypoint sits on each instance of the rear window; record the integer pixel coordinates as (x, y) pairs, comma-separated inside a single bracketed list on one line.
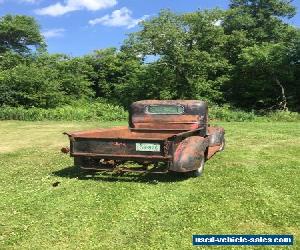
[(165, 109)]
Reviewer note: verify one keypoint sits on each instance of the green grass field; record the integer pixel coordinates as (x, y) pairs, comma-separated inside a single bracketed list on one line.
[(253, 187)]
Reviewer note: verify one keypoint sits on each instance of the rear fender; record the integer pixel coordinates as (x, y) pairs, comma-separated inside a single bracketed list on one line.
[(189, 154)]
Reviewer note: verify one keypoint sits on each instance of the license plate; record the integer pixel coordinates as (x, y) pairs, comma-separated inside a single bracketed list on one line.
[(151, 147)]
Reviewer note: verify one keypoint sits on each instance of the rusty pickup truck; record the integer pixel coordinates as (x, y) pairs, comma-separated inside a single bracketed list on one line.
[(162, 136)]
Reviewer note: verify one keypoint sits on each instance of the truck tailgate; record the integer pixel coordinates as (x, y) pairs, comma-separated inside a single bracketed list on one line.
[(120, 143)]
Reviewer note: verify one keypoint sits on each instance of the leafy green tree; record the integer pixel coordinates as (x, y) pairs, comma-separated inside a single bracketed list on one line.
[(106, 69), (10, 60), (261, 20), (250, 22), (73, 74), (20, 34), (247, 56), (189, 48), (115, 75), (30, 86), (260, 47), (274, 61), (47, 82)]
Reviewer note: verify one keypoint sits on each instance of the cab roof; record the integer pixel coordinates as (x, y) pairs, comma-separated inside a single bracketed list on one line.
[(170, 102)]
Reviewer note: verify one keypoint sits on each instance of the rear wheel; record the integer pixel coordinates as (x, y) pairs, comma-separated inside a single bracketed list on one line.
[(199, 171), (222, 146)]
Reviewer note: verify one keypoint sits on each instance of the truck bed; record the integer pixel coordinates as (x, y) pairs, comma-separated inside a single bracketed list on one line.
[(124, 133)]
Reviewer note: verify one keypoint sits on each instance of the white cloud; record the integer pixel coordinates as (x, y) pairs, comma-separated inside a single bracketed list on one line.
[(58, 8), (117, 18), (53, 33), (55, 10)]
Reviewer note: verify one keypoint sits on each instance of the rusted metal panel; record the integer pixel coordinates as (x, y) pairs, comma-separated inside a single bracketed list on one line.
[(215, 135), (174, 119), (194, 115), (170, 126), (212, 150), (126, 157), (123, 133), (189, 154), (112, 147), (183, 135)]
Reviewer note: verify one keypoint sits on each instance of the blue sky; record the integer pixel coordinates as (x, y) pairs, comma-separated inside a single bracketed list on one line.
[(78, 27)]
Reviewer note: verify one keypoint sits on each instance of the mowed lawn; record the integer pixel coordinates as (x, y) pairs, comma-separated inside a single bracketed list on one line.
[(253, 187)]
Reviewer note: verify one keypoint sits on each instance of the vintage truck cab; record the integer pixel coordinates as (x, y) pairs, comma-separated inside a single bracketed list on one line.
[(175, 132)]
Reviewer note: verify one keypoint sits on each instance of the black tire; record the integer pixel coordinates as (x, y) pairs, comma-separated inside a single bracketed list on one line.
[(199, 171), (222, 146)]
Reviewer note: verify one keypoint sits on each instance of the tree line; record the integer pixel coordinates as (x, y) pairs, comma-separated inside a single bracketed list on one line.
[(247, 56)]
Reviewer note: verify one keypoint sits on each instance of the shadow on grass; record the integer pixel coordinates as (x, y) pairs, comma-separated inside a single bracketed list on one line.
[(150, 178)]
